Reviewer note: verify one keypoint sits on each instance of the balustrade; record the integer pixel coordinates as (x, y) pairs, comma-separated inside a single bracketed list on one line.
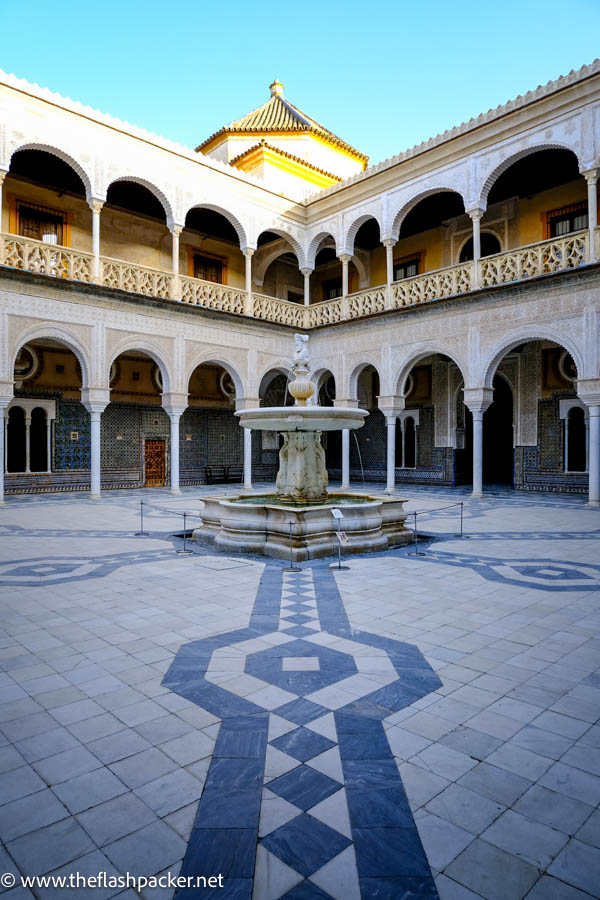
[(555, 255), (272, 309), (137, 279), (543, 258), (46, 259), (213, 296)]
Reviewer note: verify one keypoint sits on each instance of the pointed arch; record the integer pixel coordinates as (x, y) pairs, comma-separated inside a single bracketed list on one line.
[(66, 158)]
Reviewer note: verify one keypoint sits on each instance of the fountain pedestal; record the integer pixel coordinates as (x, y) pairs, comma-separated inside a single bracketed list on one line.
[(302, 473)]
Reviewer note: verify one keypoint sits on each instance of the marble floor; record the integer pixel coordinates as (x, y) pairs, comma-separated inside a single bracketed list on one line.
[(422, 724)]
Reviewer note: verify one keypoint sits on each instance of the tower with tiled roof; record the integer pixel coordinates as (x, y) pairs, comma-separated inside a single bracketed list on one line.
[(285, 147)]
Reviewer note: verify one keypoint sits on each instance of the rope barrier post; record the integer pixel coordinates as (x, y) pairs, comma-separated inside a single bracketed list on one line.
[(461, 518), (141, 531), (292, 567), (184, 550)]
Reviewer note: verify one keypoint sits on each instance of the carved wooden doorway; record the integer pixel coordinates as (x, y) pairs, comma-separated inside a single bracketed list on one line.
[(154, 463)]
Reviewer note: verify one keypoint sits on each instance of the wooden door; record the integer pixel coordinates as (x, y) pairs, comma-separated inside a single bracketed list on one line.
[(154, 463)]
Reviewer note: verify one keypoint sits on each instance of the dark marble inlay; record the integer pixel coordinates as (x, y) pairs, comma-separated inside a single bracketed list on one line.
[(305, 844), (304, 787), (303, 744)]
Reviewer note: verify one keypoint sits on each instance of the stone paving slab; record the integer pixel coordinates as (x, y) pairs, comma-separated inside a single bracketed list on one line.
[(483, 780)]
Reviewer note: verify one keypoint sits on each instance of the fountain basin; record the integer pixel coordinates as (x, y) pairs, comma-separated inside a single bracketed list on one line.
[(301, 418), (261, 524)]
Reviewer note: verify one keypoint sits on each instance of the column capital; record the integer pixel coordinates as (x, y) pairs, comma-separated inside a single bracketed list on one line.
[(476, 212), (174, 404), (389, 243), (345, 257), (247, 403), (95, 400), (3, 174), (248, 251), (176, 229), (588, 391), (391, 406), (96, 205), (478, 399), (591, 175), (306, 272), (348, 403)]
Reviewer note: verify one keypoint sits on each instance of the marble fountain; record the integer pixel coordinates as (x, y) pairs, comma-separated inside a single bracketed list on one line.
[(300, 515)]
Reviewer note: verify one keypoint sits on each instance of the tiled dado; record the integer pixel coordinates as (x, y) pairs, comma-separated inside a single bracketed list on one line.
[(303, 798)]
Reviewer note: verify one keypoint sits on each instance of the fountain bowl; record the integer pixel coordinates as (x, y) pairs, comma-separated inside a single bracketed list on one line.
[(267, 525), (301, 418)]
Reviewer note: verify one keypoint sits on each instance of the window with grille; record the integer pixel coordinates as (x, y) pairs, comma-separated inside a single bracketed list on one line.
[(568, 219), (406, 268), (209, 268), (40, 223)]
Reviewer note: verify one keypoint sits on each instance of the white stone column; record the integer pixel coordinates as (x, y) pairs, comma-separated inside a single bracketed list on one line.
[(248, 254), (175, 417), (344, 259), (476, 215), (391, 454), (2, 177), (95, 401), (345, 459), (478, 400), (592, 191), (176, 286), (404, 446), (307, 274), (594, 456), (389, 244), (566, 453), (95, 453), (27, 444), (96, 210), (247, 459)]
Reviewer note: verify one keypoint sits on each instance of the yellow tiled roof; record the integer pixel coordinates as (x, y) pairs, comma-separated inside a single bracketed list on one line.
[(279, 115)]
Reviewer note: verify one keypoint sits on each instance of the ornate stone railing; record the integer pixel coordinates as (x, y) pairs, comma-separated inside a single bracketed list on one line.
[(327, 312), (366, 303), (212, 296), (45, 259), (138, 279), (432, 286), (283, 312), (543, 258)]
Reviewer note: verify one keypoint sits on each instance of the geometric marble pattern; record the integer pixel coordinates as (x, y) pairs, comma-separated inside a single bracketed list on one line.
[(345, 803)]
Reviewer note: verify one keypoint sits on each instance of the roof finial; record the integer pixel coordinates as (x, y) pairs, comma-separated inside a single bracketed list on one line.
[(276, 88)]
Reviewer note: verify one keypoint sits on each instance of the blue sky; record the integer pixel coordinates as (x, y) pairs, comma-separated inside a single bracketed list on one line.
[(383, 76)]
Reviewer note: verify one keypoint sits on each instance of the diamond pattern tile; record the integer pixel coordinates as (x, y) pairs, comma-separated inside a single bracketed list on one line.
[(304, 787), (305, 844), (303, 744)]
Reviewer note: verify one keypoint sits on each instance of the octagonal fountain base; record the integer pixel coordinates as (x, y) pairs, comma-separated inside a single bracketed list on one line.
[(261, 524)]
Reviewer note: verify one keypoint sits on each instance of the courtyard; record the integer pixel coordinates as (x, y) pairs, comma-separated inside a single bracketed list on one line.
[(419, 722)]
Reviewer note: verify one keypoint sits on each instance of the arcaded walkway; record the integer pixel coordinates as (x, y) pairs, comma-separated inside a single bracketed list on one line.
[(421, 724)]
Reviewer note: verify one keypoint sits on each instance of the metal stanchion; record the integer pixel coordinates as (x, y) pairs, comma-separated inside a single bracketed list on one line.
[(338, 516), (292, 567), (184, 549), (141, 531), (461, 518)]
